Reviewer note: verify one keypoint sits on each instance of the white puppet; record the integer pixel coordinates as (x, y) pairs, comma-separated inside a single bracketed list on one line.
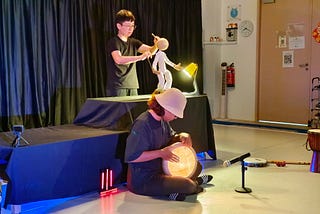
[(159, 65)]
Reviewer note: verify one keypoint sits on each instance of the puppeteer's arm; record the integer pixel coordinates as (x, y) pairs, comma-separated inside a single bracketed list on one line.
[(152, 49), (122, 60), (145, 50)]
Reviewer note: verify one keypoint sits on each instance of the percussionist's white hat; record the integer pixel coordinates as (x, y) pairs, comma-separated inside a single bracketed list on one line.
[(173, 100)]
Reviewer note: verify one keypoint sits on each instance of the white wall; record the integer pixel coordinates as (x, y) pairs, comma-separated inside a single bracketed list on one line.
[(241, 100)]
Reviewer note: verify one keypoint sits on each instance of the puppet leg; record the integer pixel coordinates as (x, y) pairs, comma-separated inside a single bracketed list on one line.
[(168, 78), (161, 81)]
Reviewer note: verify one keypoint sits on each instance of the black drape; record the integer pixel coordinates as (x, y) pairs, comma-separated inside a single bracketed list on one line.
[(52, 52)]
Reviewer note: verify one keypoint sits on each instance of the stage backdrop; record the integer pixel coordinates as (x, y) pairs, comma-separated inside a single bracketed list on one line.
[(52, 53)]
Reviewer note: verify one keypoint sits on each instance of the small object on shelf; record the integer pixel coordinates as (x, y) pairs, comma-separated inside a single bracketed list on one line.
[(231, 32), (215, 39)]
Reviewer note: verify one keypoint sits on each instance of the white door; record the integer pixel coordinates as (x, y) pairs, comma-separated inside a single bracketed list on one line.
[(285, 58)]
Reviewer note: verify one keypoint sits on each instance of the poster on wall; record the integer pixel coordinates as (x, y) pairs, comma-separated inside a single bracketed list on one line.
[(287, 59), (282, 41), (296, 35), (296, 42), (233, 13)]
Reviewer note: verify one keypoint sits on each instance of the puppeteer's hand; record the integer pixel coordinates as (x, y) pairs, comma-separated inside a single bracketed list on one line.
[(145, 55), (155, 39), (178, 67), (185, 138), (167, 155)]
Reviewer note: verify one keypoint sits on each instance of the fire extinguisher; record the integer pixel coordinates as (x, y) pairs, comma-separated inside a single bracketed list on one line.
[(231, 75)]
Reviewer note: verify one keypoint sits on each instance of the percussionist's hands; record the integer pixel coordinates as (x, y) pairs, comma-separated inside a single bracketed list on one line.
[(185, 139), (167, 155)]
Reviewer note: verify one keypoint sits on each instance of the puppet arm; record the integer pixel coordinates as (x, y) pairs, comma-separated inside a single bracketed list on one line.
[(178, 67), (175, 66)]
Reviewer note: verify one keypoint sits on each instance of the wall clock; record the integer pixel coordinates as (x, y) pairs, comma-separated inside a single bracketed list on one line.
[(246, 28)]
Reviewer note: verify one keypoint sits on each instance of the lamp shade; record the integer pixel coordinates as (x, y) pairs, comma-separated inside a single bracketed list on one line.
[(191, 69)]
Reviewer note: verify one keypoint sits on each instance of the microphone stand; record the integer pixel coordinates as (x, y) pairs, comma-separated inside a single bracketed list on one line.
[(243, 189)]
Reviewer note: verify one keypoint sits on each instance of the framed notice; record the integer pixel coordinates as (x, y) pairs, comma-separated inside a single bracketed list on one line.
[(287, 59)]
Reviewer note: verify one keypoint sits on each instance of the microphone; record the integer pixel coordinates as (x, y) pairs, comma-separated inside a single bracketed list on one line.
[(228, 163)]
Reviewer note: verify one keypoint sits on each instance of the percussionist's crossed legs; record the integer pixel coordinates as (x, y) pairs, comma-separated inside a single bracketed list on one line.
[(176, 187)]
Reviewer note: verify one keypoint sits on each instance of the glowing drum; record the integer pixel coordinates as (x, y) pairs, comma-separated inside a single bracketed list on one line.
[(187, 163), (314, 143)]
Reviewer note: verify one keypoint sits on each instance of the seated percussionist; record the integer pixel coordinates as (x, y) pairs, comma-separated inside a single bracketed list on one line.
[(149, 144)]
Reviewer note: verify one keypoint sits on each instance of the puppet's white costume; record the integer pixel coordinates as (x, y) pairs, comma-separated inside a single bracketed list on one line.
[(164, 77)]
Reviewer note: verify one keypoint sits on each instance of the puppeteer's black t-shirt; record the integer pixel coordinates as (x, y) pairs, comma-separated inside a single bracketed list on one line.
[(122, 76)]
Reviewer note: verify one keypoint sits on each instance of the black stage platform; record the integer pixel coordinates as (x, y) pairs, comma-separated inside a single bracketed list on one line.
[(64, 161), (118, 113)]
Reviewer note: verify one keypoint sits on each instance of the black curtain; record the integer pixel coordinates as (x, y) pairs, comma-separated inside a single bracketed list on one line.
[(52, 53)]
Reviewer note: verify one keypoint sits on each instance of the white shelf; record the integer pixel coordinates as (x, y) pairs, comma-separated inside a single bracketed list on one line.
[(220, 43)]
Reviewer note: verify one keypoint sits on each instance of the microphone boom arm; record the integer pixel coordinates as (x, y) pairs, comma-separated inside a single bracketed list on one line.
[(228, 163)]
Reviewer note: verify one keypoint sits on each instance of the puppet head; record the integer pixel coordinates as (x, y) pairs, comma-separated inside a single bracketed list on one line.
[(162, 44)]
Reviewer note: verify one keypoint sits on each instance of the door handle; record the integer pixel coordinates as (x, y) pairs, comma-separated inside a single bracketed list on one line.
[(304, 65)]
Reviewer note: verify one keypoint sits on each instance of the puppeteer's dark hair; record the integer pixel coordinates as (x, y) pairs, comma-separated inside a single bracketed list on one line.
[(124, 15), (154, 105)]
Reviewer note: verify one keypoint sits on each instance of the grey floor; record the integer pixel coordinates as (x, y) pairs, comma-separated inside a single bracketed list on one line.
[(290, 189)]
